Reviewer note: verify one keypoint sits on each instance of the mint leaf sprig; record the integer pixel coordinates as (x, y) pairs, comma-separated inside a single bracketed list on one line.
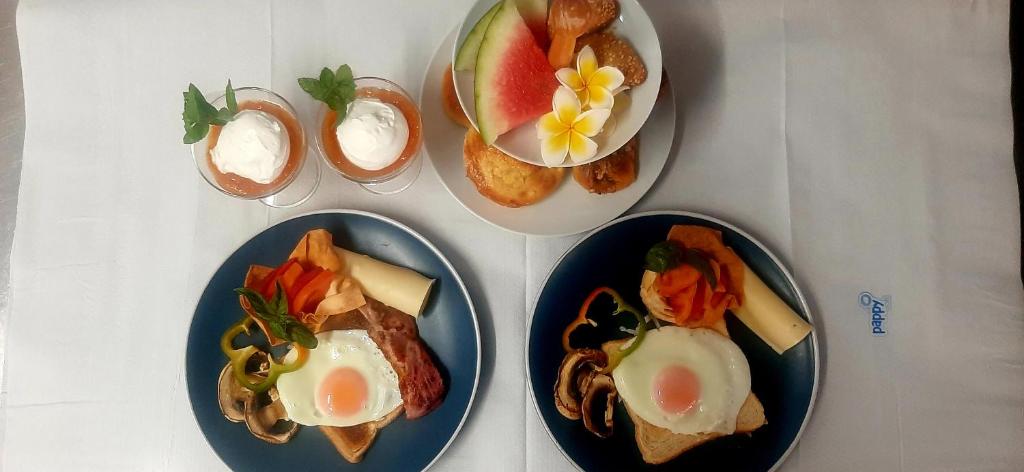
[(666, 255), (199, 114), (275, 313), (336, 89)]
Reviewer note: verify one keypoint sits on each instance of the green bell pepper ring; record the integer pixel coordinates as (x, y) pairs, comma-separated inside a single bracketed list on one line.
[(620, 307), (240, 357)]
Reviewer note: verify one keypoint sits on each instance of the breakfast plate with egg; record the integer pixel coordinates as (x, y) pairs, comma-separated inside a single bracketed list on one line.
[(672, 341), (338, 340)]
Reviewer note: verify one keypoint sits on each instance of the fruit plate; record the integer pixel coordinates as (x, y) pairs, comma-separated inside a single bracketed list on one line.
[(570, 209), (448, 326), (613, 255), (634, 26)]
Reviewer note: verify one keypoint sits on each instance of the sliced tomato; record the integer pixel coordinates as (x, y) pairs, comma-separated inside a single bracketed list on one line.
[(722, 280), (700, 298), (302, 280), (716, 298), (715, 311), (677, 279), (267, 284), (726, 278), (270, 282), (682, 303), (289, 276), (312, 293)]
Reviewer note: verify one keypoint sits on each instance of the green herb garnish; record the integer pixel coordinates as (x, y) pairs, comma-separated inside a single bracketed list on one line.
[(240, 357), (336, 89), (699, 261), (199, 114), (666, 255), (663, 256), (275, 314)]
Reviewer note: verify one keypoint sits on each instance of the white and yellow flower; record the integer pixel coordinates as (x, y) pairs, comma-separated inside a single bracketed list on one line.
[(567, 129), (595, 86)]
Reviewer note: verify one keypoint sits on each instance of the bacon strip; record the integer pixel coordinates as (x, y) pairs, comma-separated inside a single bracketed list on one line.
[(418, 378)]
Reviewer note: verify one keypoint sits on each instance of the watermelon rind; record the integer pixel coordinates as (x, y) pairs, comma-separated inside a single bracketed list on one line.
[(487, 61), (465, 59), (505, 35)]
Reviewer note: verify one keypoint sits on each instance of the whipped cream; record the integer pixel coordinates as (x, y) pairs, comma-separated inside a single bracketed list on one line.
[(373, 133), (254, 145)]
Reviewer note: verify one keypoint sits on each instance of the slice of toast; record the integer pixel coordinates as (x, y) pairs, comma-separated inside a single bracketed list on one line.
[(352, 442), (659, 445)]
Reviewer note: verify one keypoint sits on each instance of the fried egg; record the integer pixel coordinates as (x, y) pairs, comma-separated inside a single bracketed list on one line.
[(685, 380), (346, 381)]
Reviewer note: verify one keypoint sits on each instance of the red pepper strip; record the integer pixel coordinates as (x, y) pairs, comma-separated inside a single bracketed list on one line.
[(285, 273), (311, 294), (620, 307)]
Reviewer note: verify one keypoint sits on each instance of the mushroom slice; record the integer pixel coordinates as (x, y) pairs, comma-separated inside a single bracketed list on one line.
[(231, 396), (574, 375), (600, 390), (583, 379), (267, 419)]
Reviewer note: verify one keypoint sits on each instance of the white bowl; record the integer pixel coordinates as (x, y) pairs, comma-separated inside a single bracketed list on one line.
[(635, 27), (570, 209)]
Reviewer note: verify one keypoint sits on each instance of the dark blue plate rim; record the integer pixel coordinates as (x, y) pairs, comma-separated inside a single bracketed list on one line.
[(426, 242), (771, 255)]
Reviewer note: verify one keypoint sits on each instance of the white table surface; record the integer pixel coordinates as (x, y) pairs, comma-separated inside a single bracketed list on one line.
[(867, 143)]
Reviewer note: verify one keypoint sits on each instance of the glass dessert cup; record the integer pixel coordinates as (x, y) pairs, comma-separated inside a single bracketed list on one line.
[(298, 179), (397, 176)]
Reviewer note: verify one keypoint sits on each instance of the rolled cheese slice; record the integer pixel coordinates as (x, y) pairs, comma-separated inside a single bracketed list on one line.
[(768, 316), (400, 288)]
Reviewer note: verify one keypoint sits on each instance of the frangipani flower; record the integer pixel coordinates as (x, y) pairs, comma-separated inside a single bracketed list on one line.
[(567, 129), (595, 86)]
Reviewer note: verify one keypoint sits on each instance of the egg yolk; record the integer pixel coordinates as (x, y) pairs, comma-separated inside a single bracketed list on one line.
[(342, 392), (676, 389)]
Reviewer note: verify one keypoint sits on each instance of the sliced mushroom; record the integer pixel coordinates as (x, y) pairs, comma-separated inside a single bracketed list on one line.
[(584, 377), (231, 396), (267, 419), (574, 375), (601, 393)]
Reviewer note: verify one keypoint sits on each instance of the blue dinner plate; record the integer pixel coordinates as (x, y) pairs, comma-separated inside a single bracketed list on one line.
[(448, 325), (613, 255)]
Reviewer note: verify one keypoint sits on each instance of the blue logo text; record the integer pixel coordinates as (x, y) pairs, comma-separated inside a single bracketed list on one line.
[(878, 308)]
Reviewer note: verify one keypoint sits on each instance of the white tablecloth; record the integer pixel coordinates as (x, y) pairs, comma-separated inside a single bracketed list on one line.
[(868, 143)]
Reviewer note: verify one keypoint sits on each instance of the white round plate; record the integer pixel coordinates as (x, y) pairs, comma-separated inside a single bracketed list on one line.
[(635, 26), (570, 209)]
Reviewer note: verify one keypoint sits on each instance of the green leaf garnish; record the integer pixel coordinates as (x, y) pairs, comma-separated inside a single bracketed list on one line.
[(663, 256), (229, 96), (302, 335), (199, 114), (336, 89), (275, 313), (666, 255), (699, 261)]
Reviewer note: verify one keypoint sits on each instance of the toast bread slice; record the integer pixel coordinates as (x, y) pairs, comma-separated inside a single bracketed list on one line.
[(352, 442), (658, 445)]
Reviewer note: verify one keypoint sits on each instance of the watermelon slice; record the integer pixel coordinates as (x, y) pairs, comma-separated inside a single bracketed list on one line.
[(465, 59), (514, 81), (535, 13)]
